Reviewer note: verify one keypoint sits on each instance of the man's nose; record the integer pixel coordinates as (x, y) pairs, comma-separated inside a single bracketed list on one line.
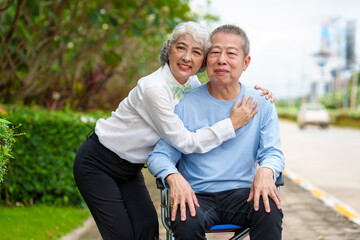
[(222, 58)]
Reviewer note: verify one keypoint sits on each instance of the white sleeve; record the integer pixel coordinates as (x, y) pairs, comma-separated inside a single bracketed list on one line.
[(158, 112)]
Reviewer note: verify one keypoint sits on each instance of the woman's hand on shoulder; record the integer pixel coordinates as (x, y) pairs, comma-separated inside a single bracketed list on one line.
[(266, 92)]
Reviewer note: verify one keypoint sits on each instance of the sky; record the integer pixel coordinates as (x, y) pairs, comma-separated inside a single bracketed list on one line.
[(284, 36)]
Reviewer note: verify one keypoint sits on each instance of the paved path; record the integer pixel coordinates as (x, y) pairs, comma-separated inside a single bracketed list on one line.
[(305, 218), (328, 158)]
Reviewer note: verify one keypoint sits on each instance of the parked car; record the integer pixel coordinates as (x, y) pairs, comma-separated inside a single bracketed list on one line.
[(313, 114)]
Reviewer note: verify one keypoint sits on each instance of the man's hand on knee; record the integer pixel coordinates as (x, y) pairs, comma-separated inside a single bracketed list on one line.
[(264, 186), (181, 194)]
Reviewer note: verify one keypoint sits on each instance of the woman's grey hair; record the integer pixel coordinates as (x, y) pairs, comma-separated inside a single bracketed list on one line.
[(237, 31), (199, 33)]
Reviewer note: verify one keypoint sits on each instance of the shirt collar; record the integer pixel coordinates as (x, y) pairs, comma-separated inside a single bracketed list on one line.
[(170, 79)]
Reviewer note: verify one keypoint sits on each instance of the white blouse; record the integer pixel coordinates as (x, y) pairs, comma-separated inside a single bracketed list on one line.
[(147, 114)]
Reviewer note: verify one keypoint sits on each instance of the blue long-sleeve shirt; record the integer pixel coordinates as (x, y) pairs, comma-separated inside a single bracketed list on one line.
[(233, 164)]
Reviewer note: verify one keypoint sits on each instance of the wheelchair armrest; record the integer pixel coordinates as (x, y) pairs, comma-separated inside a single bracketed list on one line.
[(280, 180), (159, 184)]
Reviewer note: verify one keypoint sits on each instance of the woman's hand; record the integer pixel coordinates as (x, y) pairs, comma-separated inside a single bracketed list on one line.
[(240, 116), (265, 92)]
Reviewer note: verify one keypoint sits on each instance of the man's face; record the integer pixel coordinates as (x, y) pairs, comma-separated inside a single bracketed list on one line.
[(226, 60)]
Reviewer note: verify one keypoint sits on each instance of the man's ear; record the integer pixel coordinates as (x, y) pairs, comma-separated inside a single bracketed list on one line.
[(246, 62)]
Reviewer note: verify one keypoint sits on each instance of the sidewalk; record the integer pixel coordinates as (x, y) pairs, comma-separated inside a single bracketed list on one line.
[(305, 218)]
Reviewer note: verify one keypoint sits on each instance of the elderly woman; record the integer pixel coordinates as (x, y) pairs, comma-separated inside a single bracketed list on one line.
[(108, 164)]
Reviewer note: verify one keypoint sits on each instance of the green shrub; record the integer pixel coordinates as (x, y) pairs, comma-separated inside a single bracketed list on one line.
[(42, 171), (7, 141)]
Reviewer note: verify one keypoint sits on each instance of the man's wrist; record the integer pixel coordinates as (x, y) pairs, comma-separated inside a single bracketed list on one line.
[(267, 170), (171, 177)]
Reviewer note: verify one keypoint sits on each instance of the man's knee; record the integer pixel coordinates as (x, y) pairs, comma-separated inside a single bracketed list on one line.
[(192, 228), (266, 225)]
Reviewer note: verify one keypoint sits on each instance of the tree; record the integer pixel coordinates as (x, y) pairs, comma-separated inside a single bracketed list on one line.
[(64, 52)]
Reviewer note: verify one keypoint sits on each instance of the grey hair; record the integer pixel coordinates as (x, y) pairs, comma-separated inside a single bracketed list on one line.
[(199, 33), (237, 31)]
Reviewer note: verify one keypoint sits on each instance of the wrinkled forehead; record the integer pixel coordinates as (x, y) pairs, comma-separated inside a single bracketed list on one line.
[(227, 40)]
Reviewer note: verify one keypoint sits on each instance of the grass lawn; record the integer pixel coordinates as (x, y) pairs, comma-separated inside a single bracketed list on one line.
[(39, 222)]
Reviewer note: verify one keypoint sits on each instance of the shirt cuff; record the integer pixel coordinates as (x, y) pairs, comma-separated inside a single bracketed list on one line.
[(275, 173), (166, 173), (226, 129)]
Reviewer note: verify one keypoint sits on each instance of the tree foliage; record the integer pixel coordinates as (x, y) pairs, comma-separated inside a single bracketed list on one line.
[(81, 53)]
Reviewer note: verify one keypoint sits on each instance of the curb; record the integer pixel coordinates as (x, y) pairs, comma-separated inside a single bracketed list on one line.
[(329, 201)]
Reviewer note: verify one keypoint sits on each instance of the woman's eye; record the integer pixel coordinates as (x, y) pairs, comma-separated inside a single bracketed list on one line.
[(197, 52)]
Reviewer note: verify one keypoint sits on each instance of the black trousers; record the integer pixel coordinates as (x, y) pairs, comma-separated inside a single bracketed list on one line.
[(229, 207), (115, 192)]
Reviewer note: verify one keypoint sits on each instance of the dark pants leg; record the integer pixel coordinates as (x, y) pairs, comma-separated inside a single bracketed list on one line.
[(234, 209), (115, 193), (230, 207), (194, 228)]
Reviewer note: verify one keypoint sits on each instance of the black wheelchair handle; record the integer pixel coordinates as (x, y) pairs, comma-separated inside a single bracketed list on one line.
[(159, 184)]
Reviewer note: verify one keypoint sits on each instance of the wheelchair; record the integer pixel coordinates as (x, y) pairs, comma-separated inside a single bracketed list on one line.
[(239, 232)]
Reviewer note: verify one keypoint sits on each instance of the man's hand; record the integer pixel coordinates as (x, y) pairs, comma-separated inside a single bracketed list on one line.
[(240, 116), (264, 186), (180, 194), (265, 92)]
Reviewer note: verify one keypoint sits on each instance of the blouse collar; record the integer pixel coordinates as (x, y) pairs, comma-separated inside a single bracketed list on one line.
[(170, 77)]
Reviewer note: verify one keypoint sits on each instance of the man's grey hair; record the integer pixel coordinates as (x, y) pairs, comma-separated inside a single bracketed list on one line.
[(237, 31), (199, 33)]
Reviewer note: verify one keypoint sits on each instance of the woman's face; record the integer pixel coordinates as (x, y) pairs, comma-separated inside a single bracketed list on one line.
[(185, 58)]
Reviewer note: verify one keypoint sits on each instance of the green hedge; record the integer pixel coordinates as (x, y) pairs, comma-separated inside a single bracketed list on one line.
[(41, 171)]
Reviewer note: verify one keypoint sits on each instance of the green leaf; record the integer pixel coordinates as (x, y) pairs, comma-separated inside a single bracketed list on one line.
[(111, 58), (25, 31), (113, 21), (65, 39), (4, 121), (94, 19), (52, 15), (157, 20), (136, 30)]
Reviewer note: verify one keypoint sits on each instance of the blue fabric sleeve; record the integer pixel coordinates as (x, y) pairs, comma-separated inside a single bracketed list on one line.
[(162, 160), (270, 154)]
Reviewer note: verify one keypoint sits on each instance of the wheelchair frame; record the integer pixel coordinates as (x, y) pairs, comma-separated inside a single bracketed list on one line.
[(240, 232)]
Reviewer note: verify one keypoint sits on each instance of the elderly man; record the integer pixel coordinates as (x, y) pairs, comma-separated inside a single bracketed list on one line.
[(224, 186)]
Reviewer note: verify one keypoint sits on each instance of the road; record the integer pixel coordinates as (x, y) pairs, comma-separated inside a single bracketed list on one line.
[(327, 158)]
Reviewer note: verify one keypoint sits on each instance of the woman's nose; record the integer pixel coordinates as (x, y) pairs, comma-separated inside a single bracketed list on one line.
[(187, 56)]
